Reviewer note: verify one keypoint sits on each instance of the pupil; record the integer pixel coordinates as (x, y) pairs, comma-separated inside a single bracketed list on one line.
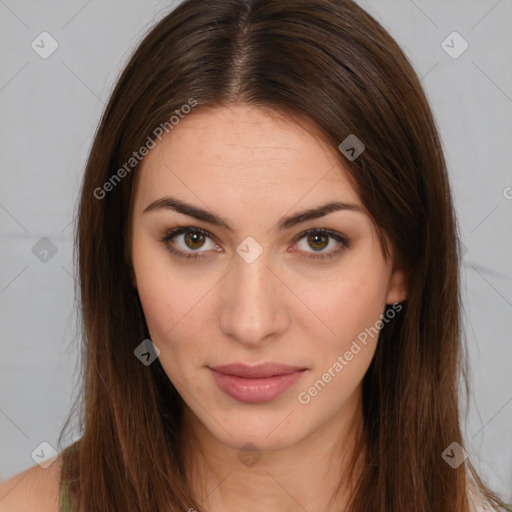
[(195, 237), (317, 238)]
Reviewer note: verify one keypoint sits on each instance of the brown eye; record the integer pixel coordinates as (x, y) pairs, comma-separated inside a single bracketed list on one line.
[(318, 241), (188, 242), (194, 240)]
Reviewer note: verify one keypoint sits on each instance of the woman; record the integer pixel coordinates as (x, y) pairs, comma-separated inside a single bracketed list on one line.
[(268, 265)]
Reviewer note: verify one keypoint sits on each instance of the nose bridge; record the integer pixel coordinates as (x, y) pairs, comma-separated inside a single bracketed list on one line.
[(251, 307)]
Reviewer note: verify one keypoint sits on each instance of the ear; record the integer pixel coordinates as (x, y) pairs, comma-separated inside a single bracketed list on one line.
[(397, 286)]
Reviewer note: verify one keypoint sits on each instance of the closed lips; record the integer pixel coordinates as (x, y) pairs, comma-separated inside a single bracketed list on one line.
[(257, 372)]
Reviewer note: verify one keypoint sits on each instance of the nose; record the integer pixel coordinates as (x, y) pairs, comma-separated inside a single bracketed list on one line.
[(253, 307)]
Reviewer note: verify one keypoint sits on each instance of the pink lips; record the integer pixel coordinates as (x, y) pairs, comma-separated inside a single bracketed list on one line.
[(257, 383)]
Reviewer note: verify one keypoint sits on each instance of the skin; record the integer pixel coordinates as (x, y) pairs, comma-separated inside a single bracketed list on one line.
[(252, 167), (35, 489)]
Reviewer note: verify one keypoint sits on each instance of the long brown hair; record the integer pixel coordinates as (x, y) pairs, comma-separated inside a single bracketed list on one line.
[(331, 64)]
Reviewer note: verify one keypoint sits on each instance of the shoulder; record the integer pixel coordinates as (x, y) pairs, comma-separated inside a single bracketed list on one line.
[(33, 490)]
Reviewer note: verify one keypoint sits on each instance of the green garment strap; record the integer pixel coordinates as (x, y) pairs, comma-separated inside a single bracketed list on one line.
[(65, 505)]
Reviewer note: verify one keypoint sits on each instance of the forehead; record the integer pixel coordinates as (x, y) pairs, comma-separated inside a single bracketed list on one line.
[(245, 153)]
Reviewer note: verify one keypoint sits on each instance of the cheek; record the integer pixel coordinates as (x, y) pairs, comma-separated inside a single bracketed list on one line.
[(161, 295), (351, 309), (352, 302), (168, 305), (174, 302)]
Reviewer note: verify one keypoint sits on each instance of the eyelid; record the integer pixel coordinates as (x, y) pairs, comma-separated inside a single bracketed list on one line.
[(328, 232), (325, 256), (173, 233)]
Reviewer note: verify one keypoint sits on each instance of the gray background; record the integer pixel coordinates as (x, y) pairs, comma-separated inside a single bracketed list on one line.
[(50, 110)]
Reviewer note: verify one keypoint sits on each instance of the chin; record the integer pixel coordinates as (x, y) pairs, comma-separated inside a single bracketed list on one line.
[(266, 434)]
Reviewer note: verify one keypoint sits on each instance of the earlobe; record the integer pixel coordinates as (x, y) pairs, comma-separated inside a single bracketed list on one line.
[(397, 288)]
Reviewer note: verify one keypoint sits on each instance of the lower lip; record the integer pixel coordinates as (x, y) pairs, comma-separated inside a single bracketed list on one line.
[(255, 391)]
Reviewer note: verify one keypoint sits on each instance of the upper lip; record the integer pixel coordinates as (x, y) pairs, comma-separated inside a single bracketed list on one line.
[(256, 371)]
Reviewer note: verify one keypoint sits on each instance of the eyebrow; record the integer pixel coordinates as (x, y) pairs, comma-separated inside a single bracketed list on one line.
[(171, 203)]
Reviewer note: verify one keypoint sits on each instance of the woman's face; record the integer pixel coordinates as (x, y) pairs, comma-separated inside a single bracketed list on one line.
[(256, 289)]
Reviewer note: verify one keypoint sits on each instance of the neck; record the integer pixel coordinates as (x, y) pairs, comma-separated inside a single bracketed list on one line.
[(316, 474)]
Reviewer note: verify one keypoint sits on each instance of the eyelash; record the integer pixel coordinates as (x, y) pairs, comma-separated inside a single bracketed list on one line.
[(195, 255)]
